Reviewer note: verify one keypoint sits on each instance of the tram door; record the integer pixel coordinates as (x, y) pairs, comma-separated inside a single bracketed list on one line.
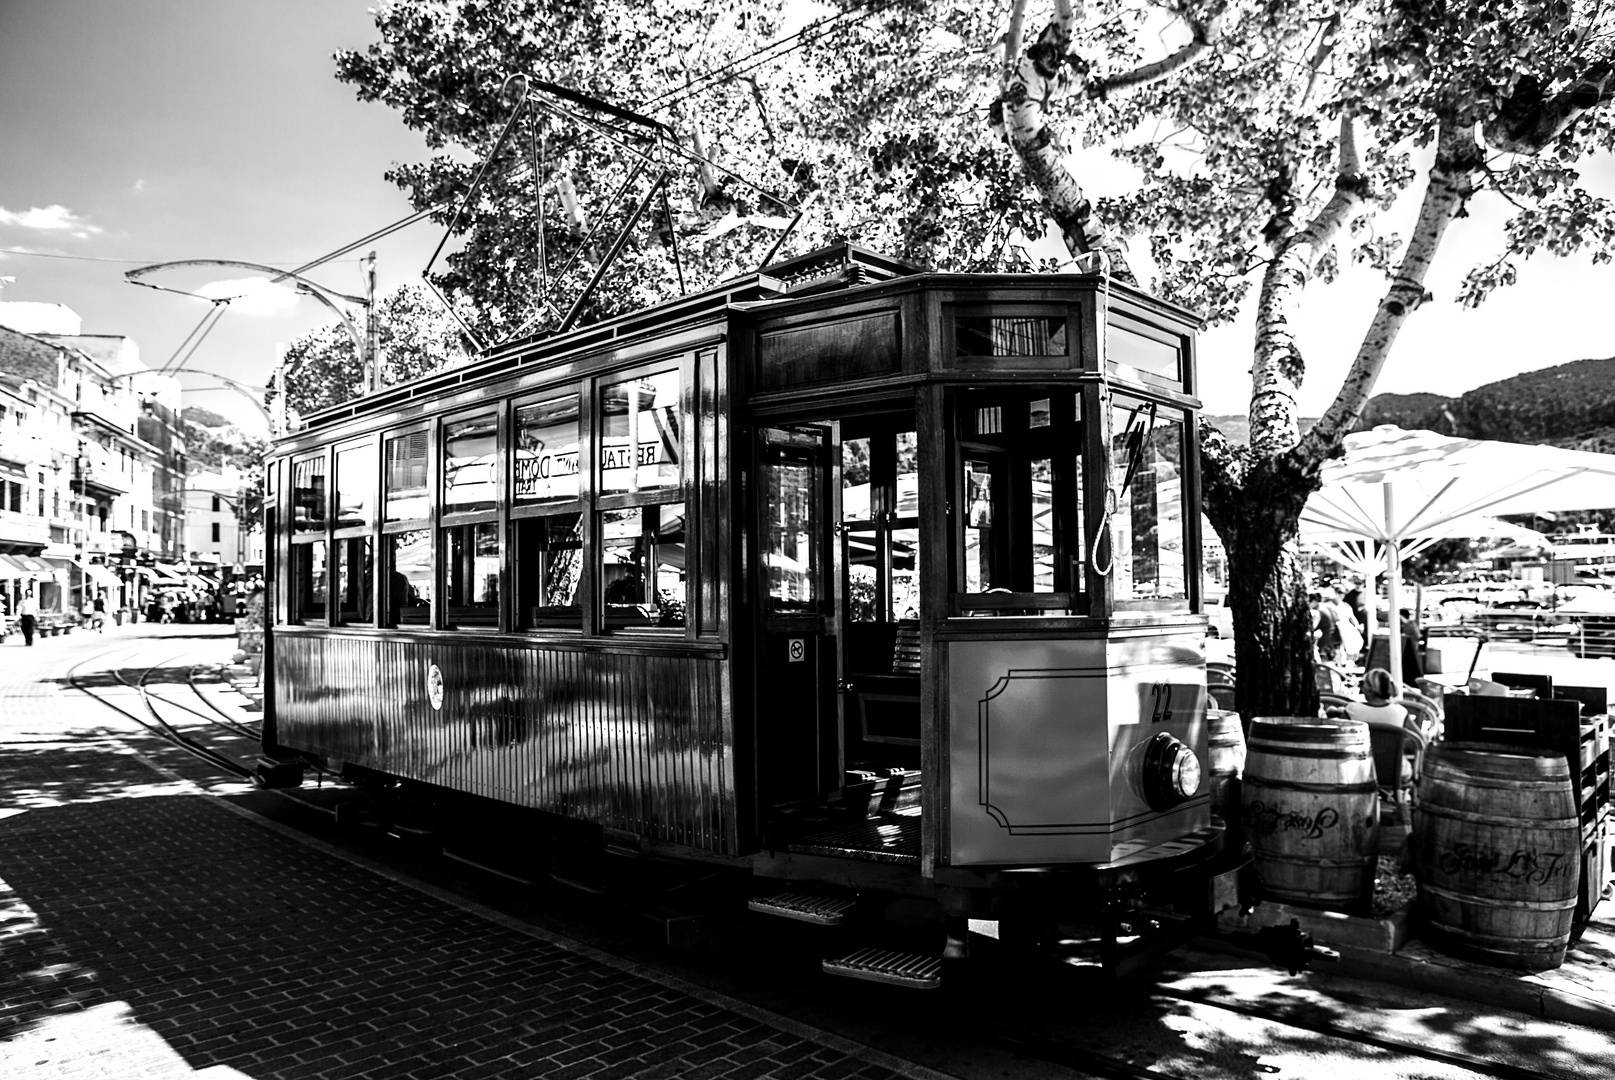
[(798, 713)]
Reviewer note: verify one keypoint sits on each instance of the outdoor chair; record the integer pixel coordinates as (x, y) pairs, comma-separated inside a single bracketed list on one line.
[(1422, 712), (1398, 753), (1221, 694), (1219, 672), (1334, 679)]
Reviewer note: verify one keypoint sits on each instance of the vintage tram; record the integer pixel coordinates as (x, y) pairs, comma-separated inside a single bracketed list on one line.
[(864, 581)]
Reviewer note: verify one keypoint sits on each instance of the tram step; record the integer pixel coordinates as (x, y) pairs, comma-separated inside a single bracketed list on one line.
[(916, 971), (270, 773), (816, 908)]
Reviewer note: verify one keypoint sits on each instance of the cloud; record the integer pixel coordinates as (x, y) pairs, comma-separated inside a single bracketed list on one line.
[(53, 218), (140, 185), (254, 296)]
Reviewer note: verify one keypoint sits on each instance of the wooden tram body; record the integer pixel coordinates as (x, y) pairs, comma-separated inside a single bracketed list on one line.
[(842, 573)]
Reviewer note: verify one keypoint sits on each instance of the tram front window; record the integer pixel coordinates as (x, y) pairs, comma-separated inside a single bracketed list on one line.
[(1147, 526), (880, 535), (1020, 541)]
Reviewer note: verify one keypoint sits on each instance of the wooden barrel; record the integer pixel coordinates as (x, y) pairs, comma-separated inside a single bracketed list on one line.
[(1225, 753), (1497, 853), (1310, 810)]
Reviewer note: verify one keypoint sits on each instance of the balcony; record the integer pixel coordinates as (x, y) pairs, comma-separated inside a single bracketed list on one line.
[(17, 530), (23, 449), (95, 473)]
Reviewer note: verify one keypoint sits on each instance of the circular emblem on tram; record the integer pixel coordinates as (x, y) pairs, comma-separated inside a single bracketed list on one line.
[(434, 686)]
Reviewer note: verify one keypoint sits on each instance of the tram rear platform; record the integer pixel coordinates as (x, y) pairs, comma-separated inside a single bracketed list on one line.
[(150, 927)]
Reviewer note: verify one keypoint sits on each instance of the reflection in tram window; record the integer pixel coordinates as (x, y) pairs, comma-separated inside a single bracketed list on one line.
[(1015, 335), (1147, 527), (470, 465), (640, 438), (790, 543), (355, 485), (905, 574), (409, 577), (351, 561), (642, 571), (309, 581), (547, 450), (471, 573), (406, 477), (549, 567), (880, 509), (308, 495)]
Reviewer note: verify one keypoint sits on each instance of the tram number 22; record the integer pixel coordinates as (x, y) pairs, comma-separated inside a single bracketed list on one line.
[(1161, 702)]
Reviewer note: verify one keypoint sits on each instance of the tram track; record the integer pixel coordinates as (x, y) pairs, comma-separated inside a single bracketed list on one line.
[(157, 724)]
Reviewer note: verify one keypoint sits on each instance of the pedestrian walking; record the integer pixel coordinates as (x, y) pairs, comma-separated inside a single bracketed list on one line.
[(101, 613), (28, 616)]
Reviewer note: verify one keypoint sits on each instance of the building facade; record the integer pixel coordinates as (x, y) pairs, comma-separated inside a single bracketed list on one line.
[(91, 469), (213, 527)]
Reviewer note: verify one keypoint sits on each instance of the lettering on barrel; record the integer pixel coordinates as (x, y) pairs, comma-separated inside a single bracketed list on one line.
[(1528, 867), (1267, 819)]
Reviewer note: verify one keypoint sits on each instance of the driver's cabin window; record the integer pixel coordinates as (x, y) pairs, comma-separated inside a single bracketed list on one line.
[(1149, 561), (1018, 490)]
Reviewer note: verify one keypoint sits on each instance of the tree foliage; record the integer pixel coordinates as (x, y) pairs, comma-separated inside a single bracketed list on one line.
[(323, 367), (1260, 142)]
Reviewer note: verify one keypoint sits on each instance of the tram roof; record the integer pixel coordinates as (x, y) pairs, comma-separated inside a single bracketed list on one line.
[(837, 269)]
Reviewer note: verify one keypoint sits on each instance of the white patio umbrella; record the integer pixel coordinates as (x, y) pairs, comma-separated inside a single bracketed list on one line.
[(1392, 485)]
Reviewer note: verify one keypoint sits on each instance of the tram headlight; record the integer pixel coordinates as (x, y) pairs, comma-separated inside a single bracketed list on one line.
[(1170, 772)]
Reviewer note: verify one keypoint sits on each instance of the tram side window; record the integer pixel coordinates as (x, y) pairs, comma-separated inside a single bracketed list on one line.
[(468, 543), (1020, 486), (546, 515), (309, 578), (641, 517), (406, 543), (880, 525), (310, 582), (353, 553), (643, 572), (1147, 528)]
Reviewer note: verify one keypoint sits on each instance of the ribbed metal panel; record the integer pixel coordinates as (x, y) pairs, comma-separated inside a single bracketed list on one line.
[(630, 741)]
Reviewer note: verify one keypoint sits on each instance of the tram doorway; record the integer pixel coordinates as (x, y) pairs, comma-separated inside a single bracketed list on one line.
[(837, 574)]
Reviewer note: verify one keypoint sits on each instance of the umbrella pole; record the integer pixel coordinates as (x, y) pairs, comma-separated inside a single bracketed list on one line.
[(1393, 571)]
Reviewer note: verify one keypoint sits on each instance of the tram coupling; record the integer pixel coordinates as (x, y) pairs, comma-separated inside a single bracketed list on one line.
[(1288, 946)]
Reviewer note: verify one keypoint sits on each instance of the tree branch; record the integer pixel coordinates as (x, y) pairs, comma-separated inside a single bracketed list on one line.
[(1202, 36), (1012, 43), (1458, 159), (1277, 371), (1529, 120)]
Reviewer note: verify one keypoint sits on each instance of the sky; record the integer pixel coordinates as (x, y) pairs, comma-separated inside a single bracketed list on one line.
[(159, 130)]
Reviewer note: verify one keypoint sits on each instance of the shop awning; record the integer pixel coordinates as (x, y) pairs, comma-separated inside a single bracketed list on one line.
[(159, 575), (100, 575), (197, 581), (9, 570), (61, 568), (32, 566)]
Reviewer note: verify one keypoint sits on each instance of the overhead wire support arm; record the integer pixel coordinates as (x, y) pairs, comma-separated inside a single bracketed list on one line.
[(611, 256)]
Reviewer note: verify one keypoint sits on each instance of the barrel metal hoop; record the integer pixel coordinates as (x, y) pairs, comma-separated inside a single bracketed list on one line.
[(1339, 753), (1568, 824), (1490, 902), (1308, 786)]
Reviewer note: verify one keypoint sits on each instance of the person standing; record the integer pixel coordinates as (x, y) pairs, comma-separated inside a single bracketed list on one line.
[(28, 616), (100, 612), (1326, 633)]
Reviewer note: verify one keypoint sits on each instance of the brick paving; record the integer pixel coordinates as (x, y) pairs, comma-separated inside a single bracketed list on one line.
[(150, 930)]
